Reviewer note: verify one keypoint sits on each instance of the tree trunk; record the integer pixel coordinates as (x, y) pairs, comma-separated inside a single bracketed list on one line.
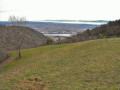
[(19, 53)]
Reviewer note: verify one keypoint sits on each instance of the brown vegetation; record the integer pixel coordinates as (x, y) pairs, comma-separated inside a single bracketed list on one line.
[(8, 37), (3, 54)]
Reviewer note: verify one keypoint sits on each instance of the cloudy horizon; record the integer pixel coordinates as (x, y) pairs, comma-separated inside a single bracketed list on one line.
[(35, 10)]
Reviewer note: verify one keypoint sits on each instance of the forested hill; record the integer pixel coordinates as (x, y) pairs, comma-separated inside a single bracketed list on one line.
[(31, 37), (111, 29)]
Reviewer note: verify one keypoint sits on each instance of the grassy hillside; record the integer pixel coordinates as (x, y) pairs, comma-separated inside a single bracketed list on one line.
[(85, 65)]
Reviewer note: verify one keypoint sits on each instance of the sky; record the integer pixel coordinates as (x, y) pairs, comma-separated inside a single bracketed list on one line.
[(35, 10)]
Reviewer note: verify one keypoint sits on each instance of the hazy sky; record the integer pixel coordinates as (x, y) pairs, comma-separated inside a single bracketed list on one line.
[(61, 9)]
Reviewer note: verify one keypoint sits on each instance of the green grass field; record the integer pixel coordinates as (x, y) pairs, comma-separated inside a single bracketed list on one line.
[(89, 65)]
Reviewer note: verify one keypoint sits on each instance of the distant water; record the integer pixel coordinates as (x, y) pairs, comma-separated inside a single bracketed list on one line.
[(59, 35), (95, 22)]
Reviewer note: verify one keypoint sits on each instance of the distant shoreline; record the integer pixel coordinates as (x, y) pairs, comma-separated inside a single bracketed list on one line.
[(94, 22)]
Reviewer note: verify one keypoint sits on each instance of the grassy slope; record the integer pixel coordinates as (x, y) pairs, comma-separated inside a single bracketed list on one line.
[(84, 65)]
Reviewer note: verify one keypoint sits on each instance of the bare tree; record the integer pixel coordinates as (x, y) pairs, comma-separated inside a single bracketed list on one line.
[(17, 21), (19, 36)]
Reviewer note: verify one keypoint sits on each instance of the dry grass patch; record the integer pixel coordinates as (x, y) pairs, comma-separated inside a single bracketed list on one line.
[(32, 84)]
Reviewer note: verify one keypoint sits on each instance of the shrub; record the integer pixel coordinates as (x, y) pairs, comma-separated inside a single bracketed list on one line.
[(101, 36), (49, 41)]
